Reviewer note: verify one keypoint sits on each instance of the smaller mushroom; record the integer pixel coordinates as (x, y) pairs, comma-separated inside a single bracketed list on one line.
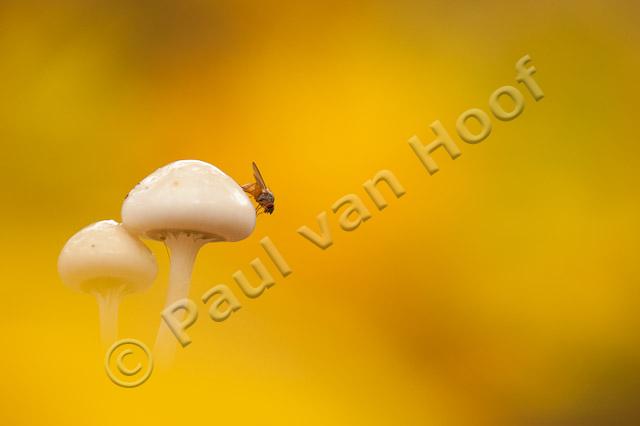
[(105, 260)]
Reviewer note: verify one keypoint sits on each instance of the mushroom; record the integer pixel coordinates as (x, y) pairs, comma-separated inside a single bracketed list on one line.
[(105, 260), (186, 204)]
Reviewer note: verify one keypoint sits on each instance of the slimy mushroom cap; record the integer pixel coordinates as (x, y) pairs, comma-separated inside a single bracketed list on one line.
[(189, 196), (105, 254)]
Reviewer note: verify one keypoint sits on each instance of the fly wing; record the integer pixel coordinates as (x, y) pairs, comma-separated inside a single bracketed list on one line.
[(251, 188), (258, 176)]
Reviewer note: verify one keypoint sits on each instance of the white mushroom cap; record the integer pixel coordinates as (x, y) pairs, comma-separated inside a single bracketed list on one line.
[(189, 196), (105, 253)]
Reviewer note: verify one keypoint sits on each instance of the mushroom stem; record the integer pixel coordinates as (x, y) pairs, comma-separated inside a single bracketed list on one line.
[(183, 248), (108, 303)]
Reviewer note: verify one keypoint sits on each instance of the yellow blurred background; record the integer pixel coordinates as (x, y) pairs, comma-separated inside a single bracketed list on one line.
[(501, 291)]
